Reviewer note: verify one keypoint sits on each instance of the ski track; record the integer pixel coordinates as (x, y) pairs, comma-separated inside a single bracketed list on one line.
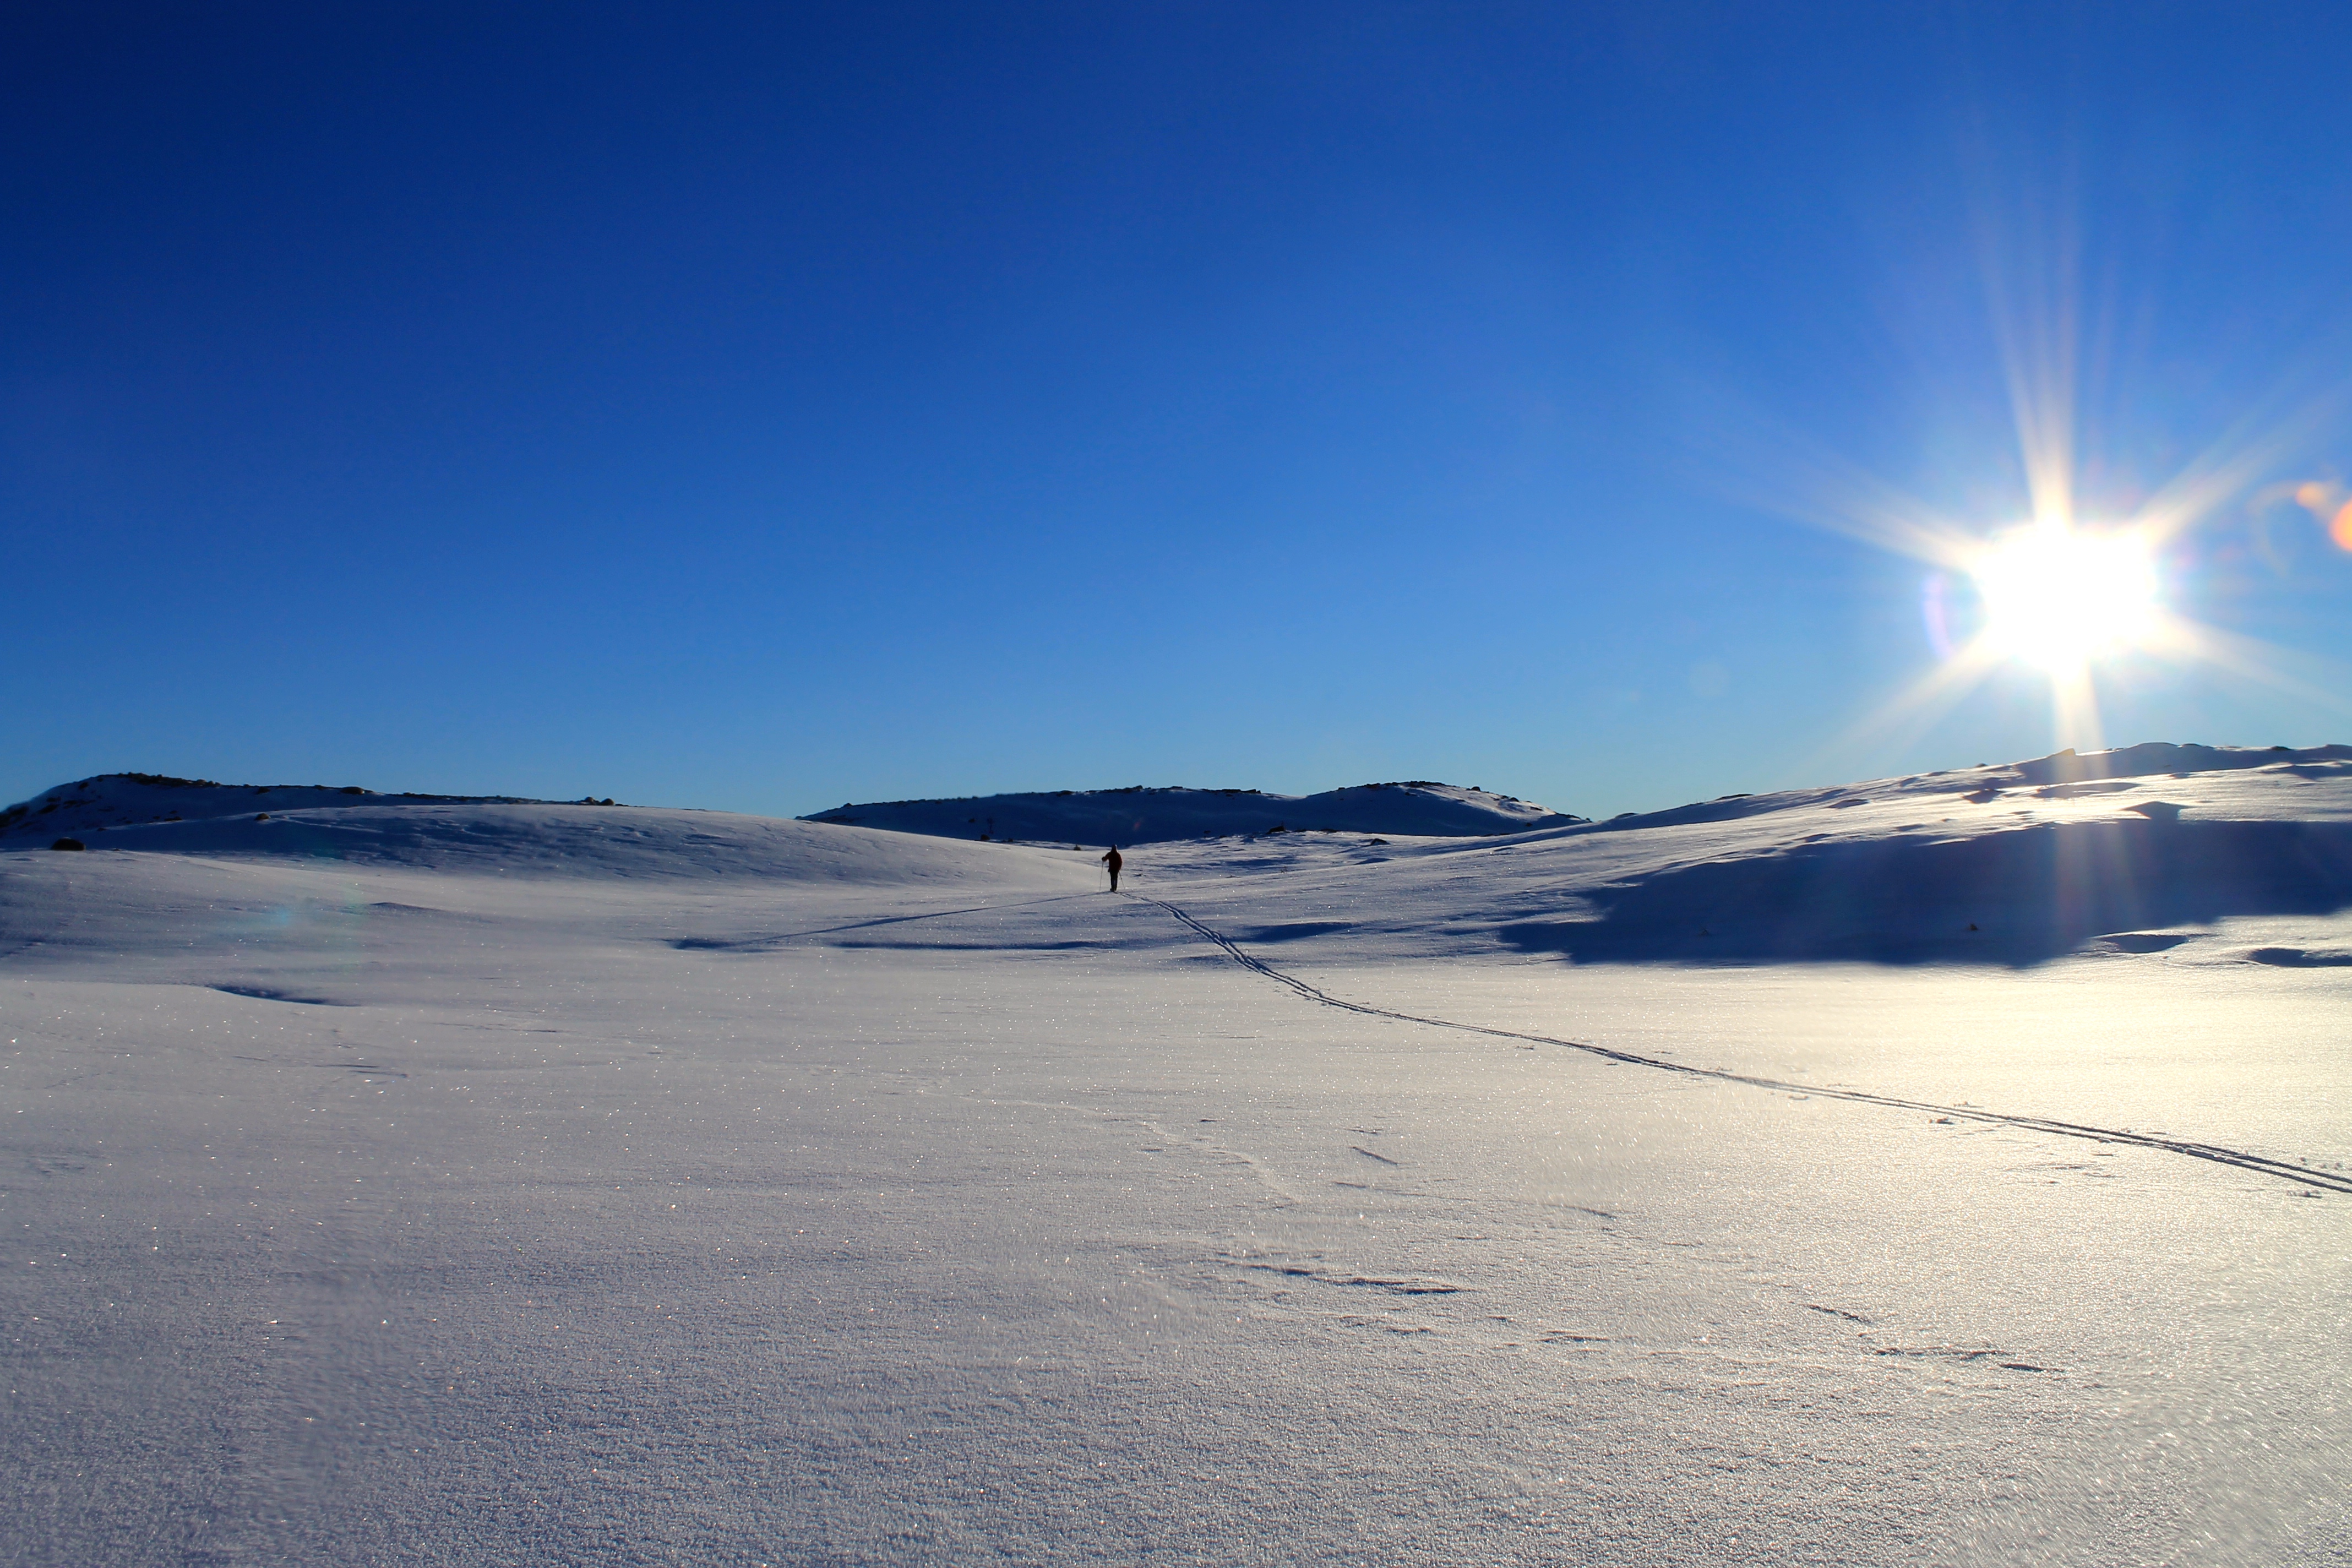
[(2319, 1180), (777, 939)]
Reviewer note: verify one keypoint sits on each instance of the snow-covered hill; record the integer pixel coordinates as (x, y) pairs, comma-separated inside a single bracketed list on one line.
[(117, 800), (1143, 814)]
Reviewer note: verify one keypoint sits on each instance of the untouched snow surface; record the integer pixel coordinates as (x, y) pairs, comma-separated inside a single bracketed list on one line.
[(1142, 814), (513, 1184)]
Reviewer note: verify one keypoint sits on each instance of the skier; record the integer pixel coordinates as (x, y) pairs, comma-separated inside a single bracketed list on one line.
[(1114, 862)]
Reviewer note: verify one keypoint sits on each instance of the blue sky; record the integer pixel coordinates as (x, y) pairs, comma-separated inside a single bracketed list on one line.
[(763, 408)]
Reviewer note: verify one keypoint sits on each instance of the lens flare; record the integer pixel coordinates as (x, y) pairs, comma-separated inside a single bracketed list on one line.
[(2058, 597), (2081, 595)]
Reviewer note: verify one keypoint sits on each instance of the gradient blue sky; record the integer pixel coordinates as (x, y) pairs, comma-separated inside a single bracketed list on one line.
[(767, 406)]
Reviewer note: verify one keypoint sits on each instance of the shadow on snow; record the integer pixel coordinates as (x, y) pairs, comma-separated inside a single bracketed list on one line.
[(2029, 895)]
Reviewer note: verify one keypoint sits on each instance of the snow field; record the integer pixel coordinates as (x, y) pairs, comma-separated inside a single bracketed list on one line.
[(467, 1199)]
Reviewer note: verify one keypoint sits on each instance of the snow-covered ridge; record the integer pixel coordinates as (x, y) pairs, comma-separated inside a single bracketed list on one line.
[(2061, 775), (1140, 814), (1143, 814), (121, 799)]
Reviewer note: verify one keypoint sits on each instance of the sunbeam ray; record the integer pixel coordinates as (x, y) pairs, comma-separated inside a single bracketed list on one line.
[(1919, 708), (2251, 658)]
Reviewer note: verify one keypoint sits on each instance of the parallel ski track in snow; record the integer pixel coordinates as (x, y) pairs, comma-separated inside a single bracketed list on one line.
[(2321, 1181)]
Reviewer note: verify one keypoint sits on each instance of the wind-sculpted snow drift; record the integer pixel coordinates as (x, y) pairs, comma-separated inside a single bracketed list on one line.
[(403, 1178)]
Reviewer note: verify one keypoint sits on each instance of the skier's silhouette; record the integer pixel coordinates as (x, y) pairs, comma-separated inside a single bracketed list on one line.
[(1114, 862)]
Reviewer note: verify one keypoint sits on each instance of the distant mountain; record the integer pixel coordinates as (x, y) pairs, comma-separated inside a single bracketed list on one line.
[(1142, 815), (124, 800)]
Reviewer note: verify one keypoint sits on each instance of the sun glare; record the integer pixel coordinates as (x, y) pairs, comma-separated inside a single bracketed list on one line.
[(2059, 598)]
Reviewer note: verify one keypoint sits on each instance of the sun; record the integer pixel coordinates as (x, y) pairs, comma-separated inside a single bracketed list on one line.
[(2058, 597)]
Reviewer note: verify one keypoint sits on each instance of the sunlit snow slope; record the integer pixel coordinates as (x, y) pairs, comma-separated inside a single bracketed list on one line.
[(2146, 848), (495, 1181)]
